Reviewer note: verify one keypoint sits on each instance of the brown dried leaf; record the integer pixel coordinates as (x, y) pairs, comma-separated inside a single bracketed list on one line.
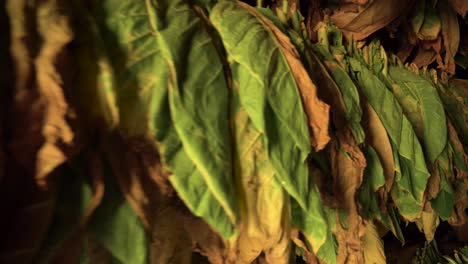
[(460, 6), (55, 31), (374, 16), (42, 136), (451, 35)]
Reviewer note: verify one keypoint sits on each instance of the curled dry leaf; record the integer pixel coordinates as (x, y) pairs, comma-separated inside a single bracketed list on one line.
[(39, 93), (372, 17)]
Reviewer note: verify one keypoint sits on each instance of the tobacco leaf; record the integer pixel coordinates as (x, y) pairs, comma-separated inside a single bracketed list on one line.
[(423, 108), (450, 33), (453, 96), (347, 167), (72, 211), (265, 221), (372, 17), (340, 92), (378, 139), (94, 74), (460, 6), (431, 26), (141, 73), (115, 213), (373, 246), (198, 104), (39, 92), (265, 88), (372, 194), (411, 171)]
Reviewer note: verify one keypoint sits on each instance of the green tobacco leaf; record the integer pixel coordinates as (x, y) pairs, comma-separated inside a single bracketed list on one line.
[(143, 98), (341, 82), (115, 225), (411, 171), (423, 108), (269, 92), (455, 98), (198, 97), (373, 181), (96, 78)]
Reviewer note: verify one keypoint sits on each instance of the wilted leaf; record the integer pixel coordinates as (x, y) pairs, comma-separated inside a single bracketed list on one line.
[(373, 246), (450, 34), (39, 98), (269, 91), (372, 17), (198, 98), (423, 108), (335, 84), (461, 6), (265, 214), (411, 172), (454, 96), (377, 137), (143, 99)]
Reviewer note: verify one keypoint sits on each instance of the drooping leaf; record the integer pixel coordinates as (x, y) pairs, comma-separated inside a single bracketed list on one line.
[(265, 205), (411, 173), (264, 91), (423, 108), (373, 246), (198, 105), (39, 92), (142, 78)]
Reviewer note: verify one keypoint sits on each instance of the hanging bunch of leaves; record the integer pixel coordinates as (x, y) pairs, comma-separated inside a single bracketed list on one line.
[(136, 131)]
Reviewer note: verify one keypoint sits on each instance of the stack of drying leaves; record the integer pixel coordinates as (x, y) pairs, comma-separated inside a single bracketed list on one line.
[(140, 131)]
